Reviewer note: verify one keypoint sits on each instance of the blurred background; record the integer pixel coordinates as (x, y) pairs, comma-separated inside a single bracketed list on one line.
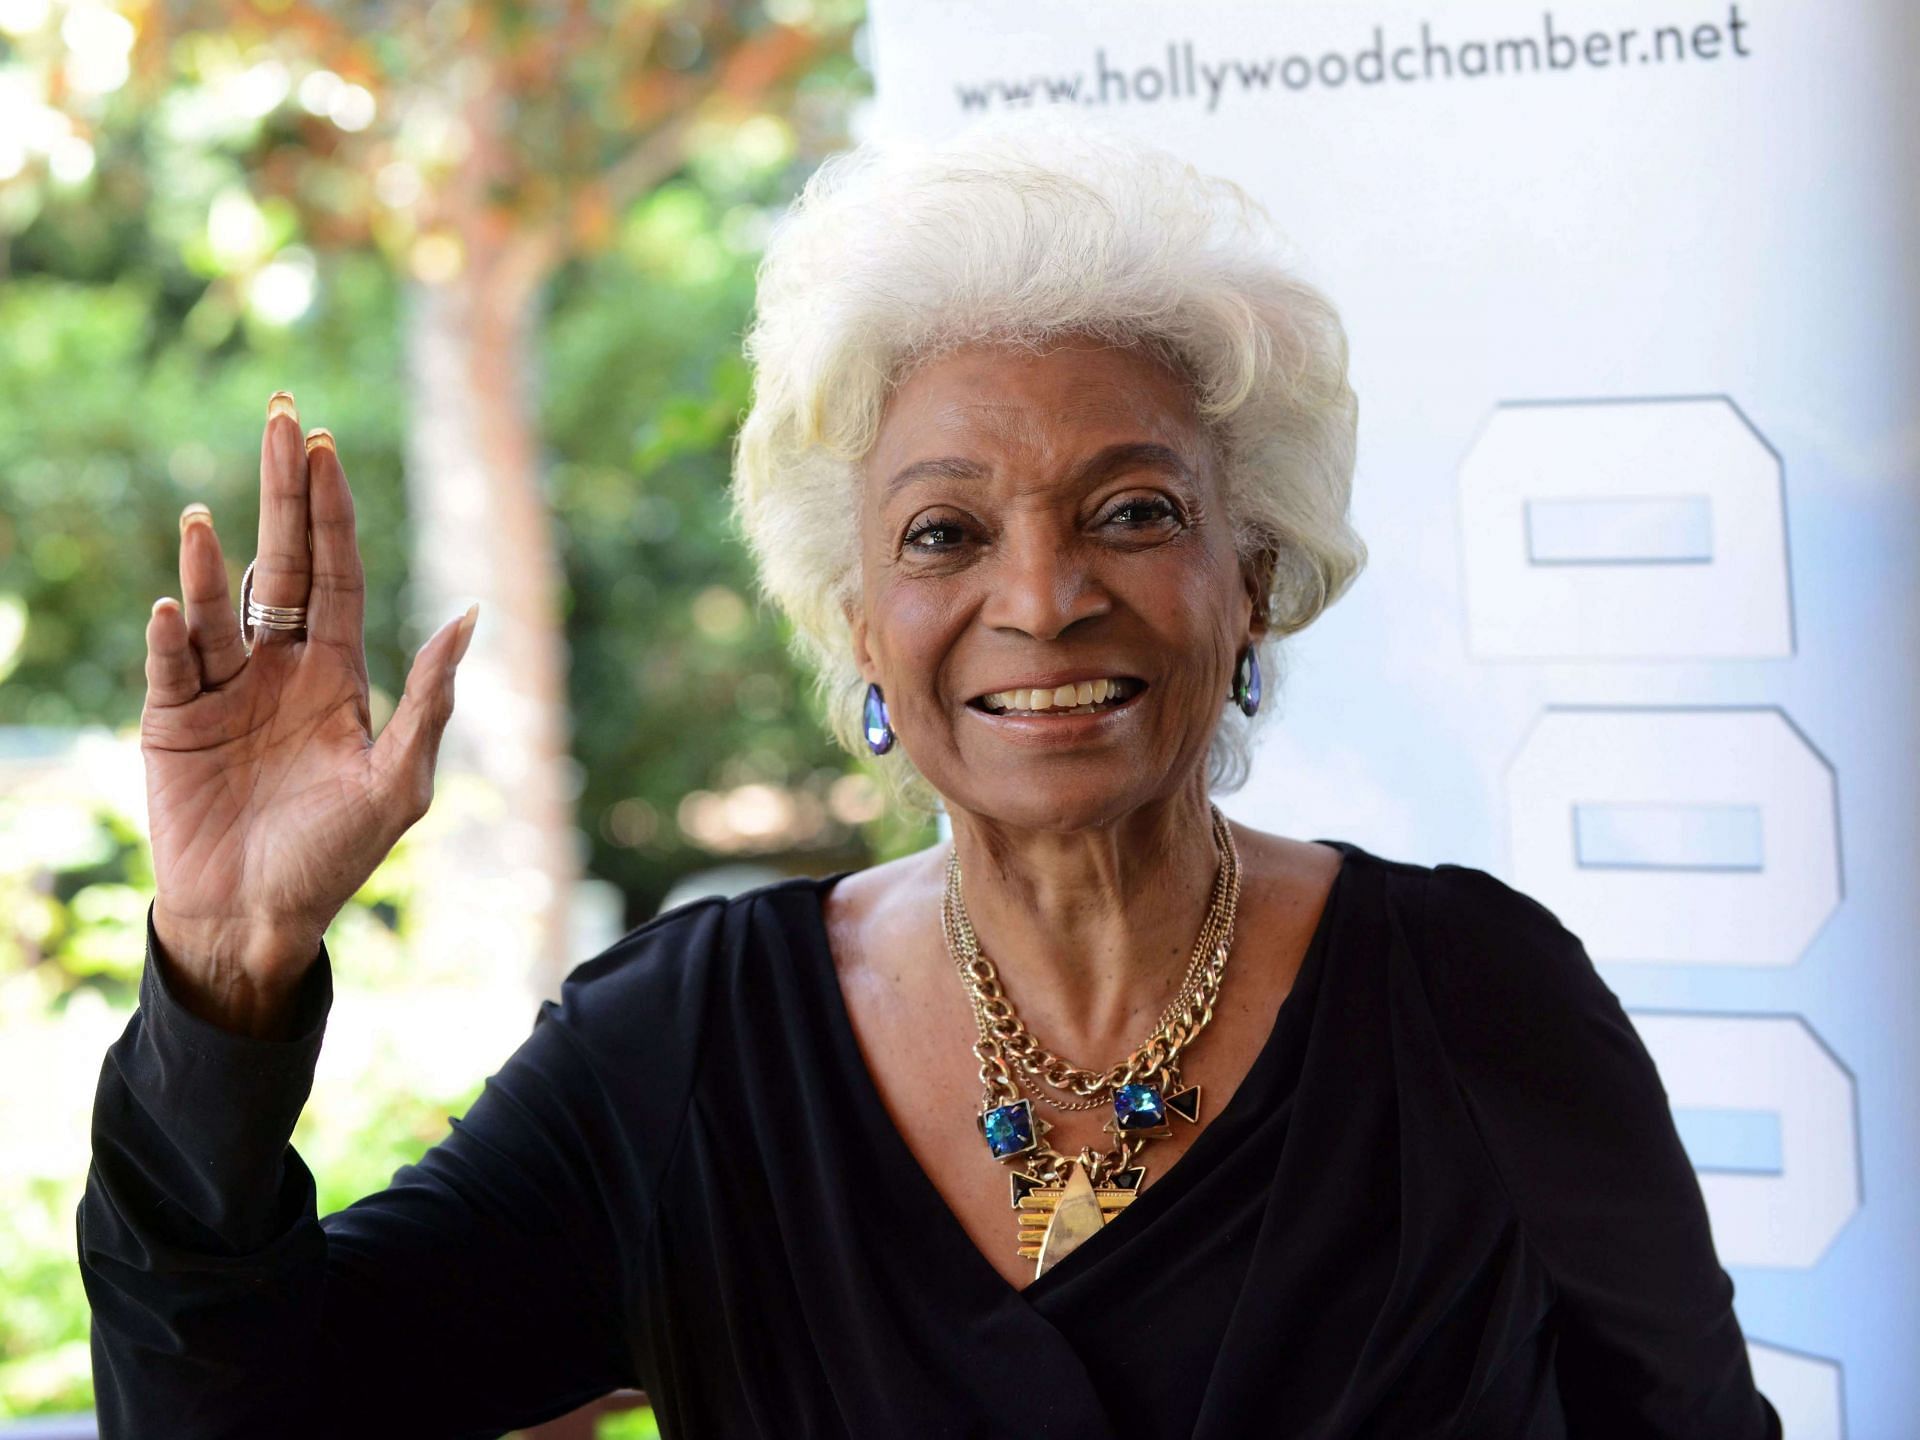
[(505, 253)]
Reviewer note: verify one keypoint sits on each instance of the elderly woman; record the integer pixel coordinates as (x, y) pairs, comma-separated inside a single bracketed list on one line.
[(1112, 1117)]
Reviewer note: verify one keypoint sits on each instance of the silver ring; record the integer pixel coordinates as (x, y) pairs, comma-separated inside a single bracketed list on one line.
[(254, 615)]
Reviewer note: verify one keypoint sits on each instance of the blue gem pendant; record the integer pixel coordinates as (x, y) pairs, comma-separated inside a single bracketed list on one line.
[(1141, 1110), (1012, 1129)]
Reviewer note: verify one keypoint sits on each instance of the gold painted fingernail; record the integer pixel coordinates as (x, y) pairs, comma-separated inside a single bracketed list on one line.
[(281, 403), (195, 514), (319, 436), (465, 636)]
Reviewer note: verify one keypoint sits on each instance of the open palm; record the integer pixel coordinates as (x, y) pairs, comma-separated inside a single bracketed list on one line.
[(268, 798)]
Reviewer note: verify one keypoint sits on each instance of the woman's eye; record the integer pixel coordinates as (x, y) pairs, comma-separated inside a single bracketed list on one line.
[(1149, 510), (928, 526), (1156, 508)]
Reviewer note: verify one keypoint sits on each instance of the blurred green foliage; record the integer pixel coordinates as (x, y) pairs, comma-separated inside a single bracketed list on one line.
[(113, 415), (75, 880), (167, 264)]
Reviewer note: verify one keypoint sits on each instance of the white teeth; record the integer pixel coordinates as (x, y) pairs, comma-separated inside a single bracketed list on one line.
[(1064, 697)]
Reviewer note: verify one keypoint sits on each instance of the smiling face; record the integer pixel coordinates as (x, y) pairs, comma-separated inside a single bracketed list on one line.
[(1034, 519)]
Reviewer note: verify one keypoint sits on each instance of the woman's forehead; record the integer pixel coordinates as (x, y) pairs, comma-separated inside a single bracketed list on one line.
[(1089, 371), (1021, 400)]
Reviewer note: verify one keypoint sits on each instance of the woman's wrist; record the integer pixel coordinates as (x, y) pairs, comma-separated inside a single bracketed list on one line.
[(241, 983)]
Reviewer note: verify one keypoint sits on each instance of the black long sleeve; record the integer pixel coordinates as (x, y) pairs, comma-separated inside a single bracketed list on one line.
[(481, 1291), (1580, 1131)]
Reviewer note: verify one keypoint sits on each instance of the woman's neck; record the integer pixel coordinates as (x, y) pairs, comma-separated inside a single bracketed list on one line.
[(1091, 929)]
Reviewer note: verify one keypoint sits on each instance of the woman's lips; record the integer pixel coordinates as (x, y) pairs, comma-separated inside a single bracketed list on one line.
[(1130, 684), (1059, 726)]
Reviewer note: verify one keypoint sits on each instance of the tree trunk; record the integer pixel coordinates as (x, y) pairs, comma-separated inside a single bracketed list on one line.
[(499, 858)]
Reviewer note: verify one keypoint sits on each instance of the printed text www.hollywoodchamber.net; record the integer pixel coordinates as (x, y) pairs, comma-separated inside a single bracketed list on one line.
[(1182, 76)]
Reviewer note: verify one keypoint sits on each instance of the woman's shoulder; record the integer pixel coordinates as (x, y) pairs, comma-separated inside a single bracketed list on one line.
[(1514, 994), (1493, 923), (658, 982), (1484, 952), (1463, 902), (1532, 1032)]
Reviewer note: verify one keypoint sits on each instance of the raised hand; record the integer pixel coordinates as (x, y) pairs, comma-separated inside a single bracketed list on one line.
[(268, 798)]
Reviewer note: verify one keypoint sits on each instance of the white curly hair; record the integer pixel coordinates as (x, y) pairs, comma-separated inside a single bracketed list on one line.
[(1020, 230)]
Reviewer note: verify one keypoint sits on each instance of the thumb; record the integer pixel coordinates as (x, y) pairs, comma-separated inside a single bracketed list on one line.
[(405, 754)]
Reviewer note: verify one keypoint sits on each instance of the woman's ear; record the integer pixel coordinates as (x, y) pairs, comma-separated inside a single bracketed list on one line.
[(1257, 572), (857, 628)]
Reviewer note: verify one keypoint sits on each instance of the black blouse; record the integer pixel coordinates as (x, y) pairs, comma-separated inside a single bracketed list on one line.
[(1447, 1200)]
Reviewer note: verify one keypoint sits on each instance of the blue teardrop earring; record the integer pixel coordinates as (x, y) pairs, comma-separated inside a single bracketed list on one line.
[(879, 727), (1246, 682)]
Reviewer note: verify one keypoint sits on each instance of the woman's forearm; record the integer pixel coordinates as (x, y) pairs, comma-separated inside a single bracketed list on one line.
[(198, 1235)]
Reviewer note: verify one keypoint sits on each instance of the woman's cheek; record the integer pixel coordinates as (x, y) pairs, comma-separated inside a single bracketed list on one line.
[(916, 625)]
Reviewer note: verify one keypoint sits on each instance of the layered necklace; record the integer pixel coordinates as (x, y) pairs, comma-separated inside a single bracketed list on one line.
[(1062, 1200)]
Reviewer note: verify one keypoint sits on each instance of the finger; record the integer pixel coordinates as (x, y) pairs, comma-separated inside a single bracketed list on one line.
[(282, 570), (173, 674), (408, 748), (337, 605), (211, 625)]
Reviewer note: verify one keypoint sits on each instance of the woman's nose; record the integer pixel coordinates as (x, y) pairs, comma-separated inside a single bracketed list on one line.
[(1041, 587)]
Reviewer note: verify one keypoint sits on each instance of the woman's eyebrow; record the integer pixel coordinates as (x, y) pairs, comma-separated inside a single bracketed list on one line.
[(1132, 455), (944, 467), (1124, 455)]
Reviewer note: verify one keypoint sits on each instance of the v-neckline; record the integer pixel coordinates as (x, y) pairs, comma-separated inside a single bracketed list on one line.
[(1164, 1191)]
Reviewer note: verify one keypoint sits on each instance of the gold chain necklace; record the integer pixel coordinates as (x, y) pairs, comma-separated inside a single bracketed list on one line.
[(996, 1013), (1062, 1200)]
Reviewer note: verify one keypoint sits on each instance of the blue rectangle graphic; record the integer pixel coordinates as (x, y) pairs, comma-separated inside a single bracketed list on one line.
[(1731, 1142), (1629, 530), (1668, 837)]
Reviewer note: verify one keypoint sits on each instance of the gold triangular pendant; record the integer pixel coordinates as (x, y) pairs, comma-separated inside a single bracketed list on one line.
[(1186, 1104), (1022, 1185), (1076, 1219), (1036, 1206)]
